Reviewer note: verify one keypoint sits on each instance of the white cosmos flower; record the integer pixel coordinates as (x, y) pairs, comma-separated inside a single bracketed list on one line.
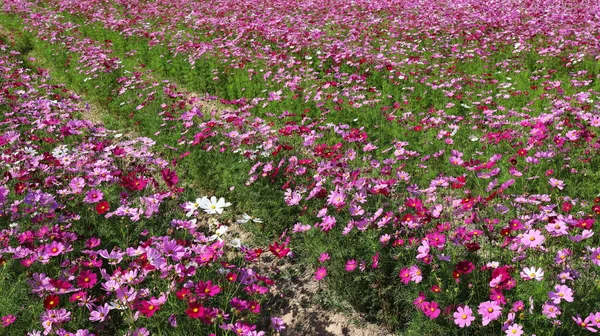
[(531, 273), (117, 305), (193, 206), (221, 230), (236, 242), (245, 218), (213, 206)]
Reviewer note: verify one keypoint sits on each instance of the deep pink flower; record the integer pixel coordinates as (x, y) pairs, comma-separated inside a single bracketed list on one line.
[(588, 323), (431, 310), (87, 279), (320, 273), (207, 289)]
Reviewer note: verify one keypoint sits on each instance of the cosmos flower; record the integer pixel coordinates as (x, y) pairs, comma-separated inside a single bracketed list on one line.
[(320, 273), (212, 205), (463, 316)]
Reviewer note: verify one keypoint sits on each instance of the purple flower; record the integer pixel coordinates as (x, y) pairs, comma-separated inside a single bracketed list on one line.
[(561, 292), (277, 324), (100, 313)]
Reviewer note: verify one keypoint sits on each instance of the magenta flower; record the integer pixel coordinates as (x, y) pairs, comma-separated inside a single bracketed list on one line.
[(87, 279), (463, 316), (320, 273), (431, 310), (55, 248), (207, 289), (588, 323), (93, 196), (420, 302), (350, 265), (404, 275), (8, 320)]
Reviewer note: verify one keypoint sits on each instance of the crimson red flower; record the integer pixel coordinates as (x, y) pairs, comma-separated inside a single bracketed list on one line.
[(60, 285), (472, 246), (170, 177), (279, 250), (195, 310), (102, 207), (183, 294), (133, 183), (464, 267), (20, 188), (51, 301), (231, 277)]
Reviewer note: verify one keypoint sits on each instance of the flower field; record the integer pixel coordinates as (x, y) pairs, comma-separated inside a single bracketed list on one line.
[(431, 164)]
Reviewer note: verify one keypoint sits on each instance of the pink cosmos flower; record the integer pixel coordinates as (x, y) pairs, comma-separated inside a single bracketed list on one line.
[(54, 249), (320, 273), (514, 330), (8, 320), (489, 311), (550, 310), (207, 289), (87, 279), (93, 196), (415, 274), (557, 183), (463, 316), (431, 310), (561, 292), (533, 238), (420, 302), (588, 323), (350, 265), (404, 275), (100, 313), (324, 257)]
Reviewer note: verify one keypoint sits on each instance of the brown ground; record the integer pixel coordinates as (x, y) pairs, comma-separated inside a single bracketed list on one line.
[(304, 316)]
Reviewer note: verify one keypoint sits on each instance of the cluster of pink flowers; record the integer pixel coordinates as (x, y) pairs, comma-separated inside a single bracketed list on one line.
[(68, 181)]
